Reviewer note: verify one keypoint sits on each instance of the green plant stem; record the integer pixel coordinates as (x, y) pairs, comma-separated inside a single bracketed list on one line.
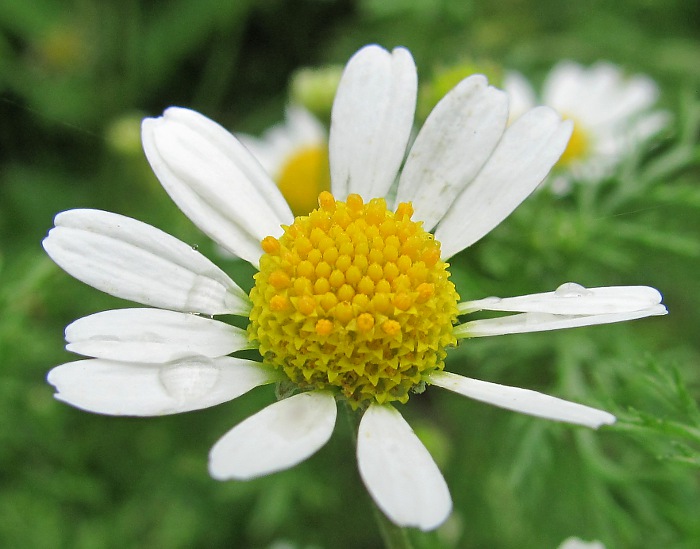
[(394, 536)]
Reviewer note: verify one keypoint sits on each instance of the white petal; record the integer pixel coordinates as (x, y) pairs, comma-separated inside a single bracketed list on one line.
[(152, 335), (542, 322), (399, 472), (528, 150), (523, 400), (371, 121), (572, 299), (215, 181), (565, 89), (577, 543), (133, 389), (132, 260), (300, 131), (276, 438), (520, 94), (453, 145)]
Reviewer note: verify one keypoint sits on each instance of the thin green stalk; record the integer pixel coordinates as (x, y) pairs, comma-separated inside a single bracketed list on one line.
[(394, 537)]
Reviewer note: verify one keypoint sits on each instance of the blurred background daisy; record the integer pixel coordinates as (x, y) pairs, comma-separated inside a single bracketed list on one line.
[(612, 113)]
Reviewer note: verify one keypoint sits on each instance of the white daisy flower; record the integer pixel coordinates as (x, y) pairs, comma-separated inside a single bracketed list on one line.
[(352, 302), (295, 155), (611, 113)]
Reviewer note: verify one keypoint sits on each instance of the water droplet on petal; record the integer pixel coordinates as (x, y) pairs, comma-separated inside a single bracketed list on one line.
[(189, 379), (571, 289)]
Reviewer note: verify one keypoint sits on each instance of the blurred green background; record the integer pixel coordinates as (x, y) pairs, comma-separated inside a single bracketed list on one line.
[(75, 78)]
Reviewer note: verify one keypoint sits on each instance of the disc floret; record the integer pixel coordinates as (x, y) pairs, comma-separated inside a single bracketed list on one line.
[(354, 298)]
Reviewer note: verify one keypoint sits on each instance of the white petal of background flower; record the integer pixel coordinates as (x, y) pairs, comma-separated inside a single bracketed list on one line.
[(543, 322), (455, 142), (277, 145), (527, 151), (371, 121), (276, 438), (152, 335), (520, 93), (132, 260), (524, 401), (577, 543), (399, 472), (215, 181), (139, 389), (565, 87), (572, 299)]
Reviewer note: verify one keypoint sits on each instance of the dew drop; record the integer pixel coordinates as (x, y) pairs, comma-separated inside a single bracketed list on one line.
[(571, 289), (195, 247), (189, 379)]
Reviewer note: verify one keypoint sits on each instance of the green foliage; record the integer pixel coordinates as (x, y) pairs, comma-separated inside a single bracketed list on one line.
[(70, 72)]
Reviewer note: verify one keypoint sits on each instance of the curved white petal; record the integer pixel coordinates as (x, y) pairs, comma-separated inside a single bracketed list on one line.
[(215, 181), (524, 401), (371, 121), (455, 142), (528, 150), (152, 335), (572, 299), (132, 260), (399, 472), (133, 389), (276, 438), (542, 322)]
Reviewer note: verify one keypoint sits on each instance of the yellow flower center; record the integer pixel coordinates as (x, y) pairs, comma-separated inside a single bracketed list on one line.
[(303, 176), (578, 146), (354, 298)]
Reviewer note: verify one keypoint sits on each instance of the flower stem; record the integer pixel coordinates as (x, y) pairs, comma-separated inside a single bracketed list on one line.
[(394, 536)]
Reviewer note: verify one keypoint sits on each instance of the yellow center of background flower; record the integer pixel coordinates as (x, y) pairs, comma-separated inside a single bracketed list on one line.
[(578, 146), (354, 297), (303, 176)]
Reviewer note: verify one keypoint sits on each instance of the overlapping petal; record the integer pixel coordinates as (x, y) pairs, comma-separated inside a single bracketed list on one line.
[(543, 322), (140, 389), (215, 181), (371, 121), (276, 438), (527, 151), (132, 260), (572, 299), (455, 142), (152, 336), (569, 306), (524, 401), (399, 472)]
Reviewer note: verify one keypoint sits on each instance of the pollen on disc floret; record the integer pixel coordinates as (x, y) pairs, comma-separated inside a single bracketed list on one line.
[(354, 298)]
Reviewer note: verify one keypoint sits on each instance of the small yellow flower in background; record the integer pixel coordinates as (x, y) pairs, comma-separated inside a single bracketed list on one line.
[(314, 88), (352, 302), (447, 77), (611, 113), (123, 134), (63, 47), (295, 154)]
